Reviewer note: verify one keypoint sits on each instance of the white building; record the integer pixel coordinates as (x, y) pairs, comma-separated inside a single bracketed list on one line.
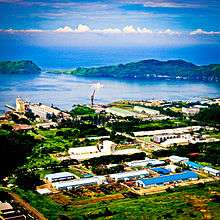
[(145, 162), (128, 151), (190, 111), (44, 191), (148, 111), (47, 125), (138, 163), (211, 171), (120, 112), (46, 112), (107, 148), (171, 167), (168, 131), (84, 153), (73, 184), (55, 177), (178, 141), (164, 137), (129, 175), (177, 159)]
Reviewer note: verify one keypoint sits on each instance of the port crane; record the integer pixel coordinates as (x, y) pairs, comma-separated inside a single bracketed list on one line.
[(92, 97)]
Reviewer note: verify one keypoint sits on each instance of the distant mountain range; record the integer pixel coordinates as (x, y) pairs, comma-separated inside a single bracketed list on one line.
[(15, 67), (145, 69), (154, 69)]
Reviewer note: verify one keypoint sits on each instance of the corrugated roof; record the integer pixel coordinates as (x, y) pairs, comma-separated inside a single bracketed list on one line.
[(210, 169), (77, 182), (193, 164), (161, 170), (58, 175), (169, 178), (129, 174)]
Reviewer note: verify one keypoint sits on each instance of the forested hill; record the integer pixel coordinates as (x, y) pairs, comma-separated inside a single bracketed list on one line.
[(171, 69), (14, 67)]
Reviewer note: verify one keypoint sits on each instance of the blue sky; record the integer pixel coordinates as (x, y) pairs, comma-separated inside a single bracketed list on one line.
[(115, 23)]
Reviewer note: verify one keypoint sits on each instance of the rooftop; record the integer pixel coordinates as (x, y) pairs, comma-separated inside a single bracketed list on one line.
[(129, 174), (58, 175), (161, 170), (193, 164), (169, 178), (76, 182), (168, 131), (210, 169)]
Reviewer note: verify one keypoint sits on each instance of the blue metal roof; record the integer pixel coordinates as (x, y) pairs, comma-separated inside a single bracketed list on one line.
[(193, 165), (161, 170), (169, 178)]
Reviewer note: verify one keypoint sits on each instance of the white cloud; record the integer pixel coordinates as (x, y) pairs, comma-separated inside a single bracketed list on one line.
[(202, 32), (129, 29), (81, 28), (65, 29), (108, 30), (162, 4), (169, 32), (144, 31), (22, 30)]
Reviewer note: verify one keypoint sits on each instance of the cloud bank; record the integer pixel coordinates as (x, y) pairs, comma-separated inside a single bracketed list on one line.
[(81, 28), (202, 32)]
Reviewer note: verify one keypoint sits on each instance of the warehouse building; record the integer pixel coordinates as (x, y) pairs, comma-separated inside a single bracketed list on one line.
[(194, 165), (47, 125), (147, 111), (46, 112), (155, 162), (84, 153), (172, 131), (120, 112), (129, 175), (145, 162), (62, 176), (73, 184), (161, 170), (190, 111), (187, 175), (138, 163), (177, 141), (211, 171), (106, 148), (177, 159), (164, 137)]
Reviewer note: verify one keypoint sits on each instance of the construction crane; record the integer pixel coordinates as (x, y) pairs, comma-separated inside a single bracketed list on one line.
[(95, 87), (92, 98)]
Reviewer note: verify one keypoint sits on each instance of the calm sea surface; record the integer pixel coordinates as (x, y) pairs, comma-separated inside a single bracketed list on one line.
[(65, 90)]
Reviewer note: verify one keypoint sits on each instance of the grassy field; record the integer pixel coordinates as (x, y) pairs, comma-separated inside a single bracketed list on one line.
[(165, 124), (195, 202)]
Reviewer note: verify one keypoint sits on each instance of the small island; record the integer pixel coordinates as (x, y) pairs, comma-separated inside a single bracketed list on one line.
[(154, 69), (16, 67)]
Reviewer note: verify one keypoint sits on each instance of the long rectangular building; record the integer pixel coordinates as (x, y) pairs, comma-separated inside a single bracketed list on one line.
[(129, 175), (147, 111), (187, 175), (73, 184), (211, 171), (120, 112), (55, 177), (167, 131)]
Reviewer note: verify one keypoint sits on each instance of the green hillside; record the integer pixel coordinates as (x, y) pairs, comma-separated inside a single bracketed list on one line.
[(171, 69), (15, 67)]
